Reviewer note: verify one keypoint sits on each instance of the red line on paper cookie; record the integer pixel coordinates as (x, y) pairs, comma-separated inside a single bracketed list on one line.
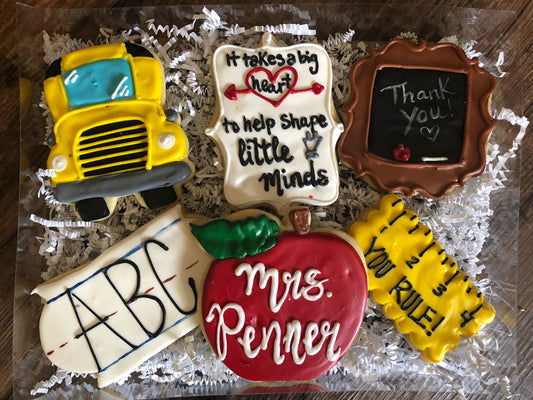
[(193, 264), (169, 279), (49, 353)]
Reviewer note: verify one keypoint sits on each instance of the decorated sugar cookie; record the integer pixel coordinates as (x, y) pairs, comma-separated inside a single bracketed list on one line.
[(420, 287), (131, 302), (418, 118), (275, 124), (280, 304), (111, 135)]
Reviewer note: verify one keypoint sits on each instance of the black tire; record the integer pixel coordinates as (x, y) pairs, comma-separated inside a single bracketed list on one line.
[(159, 197), (92, 209)]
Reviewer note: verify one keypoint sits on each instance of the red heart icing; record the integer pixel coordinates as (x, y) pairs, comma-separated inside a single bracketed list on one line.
[(273, 79), (302, 329)]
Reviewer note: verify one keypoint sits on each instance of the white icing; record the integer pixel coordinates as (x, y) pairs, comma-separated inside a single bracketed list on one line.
[(292, 340), (123, 342), (166, 140), (289, 342), (121, 90), (311, 334), (222, 328), (291, 281), (434, 159), (72, 77), (276, 87), (59, 163), (272, 335), (293, 335), (249, 335)]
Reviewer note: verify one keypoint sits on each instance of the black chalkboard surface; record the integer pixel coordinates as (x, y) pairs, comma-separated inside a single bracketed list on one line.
[(421, 109)]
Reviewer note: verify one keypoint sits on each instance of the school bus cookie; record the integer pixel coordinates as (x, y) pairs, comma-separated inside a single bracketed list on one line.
[(421, 288), (112, 137)]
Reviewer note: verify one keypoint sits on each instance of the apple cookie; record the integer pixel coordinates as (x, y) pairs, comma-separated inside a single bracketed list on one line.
[(285, 304)]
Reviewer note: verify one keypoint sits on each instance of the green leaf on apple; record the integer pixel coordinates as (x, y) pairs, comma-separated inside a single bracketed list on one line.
[(225, 239)]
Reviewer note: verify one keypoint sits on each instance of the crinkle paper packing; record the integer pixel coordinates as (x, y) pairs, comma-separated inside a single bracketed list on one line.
[(460, 220)]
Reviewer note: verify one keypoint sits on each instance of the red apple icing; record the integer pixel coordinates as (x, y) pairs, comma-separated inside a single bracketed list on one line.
[(289, 313), (401, 153)]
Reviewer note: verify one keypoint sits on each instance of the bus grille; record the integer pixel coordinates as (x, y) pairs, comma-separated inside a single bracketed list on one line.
[(113, 148)]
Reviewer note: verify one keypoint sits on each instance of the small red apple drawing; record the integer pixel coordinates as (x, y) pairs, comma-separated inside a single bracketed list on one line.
[(289, 304), (401, 153)]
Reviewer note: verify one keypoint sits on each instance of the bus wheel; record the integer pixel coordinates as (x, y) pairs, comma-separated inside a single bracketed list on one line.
[(159, 197), (92, 209)]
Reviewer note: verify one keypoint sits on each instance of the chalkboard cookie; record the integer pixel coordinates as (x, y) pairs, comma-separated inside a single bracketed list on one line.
[(111, 135), (418, 118), (421, 288), (275, 124)]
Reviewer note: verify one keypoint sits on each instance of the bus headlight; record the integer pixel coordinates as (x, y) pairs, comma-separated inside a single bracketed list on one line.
[(166, 140), (59, 163)]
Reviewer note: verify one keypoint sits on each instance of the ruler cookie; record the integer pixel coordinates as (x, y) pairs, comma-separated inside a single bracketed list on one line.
[(432, 302)]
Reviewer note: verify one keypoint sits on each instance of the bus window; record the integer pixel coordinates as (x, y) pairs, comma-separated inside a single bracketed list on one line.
[(98, 82)]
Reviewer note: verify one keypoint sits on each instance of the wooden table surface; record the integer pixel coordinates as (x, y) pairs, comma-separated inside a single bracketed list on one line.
[(9, 162)]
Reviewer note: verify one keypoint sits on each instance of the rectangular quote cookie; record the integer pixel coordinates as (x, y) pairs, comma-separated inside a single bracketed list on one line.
[(275, 124)]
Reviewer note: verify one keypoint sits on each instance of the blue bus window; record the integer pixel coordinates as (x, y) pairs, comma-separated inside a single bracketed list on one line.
[(98, 82)]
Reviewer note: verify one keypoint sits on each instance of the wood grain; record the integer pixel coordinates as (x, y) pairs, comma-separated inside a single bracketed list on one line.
[(9, 181)]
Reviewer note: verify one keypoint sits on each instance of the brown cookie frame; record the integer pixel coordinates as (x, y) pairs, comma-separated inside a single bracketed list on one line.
[(430, 180)]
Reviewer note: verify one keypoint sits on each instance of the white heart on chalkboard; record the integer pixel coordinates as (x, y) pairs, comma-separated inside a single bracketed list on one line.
[(430, 133)]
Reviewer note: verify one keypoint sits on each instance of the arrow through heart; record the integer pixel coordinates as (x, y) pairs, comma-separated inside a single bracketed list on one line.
[(270, 87)]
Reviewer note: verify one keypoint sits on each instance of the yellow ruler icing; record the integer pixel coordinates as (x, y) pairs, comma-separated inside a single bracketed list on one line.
[(421, 288)]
